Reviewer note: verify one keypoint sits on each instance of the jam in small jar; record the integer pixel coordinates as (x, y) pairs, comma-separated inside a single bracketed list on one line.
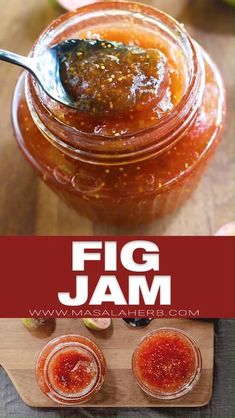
[(150, 116), (167, 363), (70, 369)]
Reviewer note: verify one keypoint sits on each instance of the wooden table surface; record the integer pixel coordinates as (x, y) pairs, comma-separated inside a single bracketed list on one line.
[(28, 207)]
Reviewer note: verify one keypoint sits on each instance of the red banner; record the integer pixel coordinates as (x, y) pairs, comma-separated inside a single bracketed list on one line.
[(118, 277)]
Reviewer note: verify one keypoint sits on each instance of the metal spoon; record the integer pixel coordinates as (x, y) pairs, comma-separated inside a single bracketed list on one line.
[(48, 67)]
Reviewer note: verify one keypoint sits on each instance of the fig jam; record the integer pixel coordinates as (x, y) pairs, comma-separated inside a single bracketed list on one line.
[(130, 79), (166, 363), (70, 369)]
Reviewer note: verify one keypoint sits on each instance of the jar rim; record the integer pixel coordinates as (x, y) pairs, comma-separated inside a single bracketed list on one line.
[(139, 144)]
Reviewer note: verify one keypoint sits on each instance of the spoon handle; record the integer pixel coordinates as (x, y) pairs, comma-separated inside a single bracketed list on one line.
[(16, 59)]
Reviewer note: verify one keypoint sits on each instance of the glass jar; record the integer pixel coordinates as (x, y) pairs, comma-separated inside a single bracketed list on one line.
[(70, 369), (167, 363), (135, 176)]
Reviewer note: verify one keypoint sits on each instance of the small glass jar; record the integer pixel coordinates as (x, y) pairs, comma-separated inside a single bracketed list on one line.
[(167, 363), (70, 369), (143, 173)]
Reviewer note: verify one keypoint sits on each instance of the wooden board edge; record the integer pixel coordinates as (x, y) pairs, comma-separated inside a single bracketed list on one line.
[(88, 405), (15, 385)]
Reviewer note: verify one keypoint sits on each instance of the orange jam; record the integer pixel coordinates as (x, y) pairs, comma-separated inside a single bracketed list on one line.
[(131, 79), (147, 123), (136, 87), (70, 369), (167, 363)]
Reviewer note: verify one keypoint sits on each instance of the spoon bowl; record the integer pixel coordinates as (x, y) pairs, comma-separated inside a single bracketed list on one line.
[(98, 76)]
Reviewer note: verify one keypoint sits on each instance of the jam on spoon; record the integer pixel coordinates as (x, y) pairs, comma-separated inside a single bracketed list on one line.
[(98, 77), (110, 78)]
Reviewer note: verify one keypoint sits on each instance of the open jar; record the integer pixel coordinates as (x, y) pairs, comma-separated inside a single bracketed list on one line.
[(70, 369), (131, 170), (167, 363)]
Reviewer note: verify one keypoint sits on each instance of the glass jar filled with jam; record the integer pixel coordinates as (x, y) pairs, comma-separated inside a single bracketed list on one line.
[(70, 369), (167, 363), (150, 117)]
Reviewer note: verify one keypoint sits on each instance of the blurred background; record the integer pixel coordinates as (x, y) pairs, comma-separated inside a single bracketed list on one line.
[(28, 207)]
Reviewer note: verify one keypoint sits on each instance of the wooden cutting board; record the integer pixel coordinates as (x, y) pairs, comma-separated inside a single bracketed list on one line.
[(19, 349)]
